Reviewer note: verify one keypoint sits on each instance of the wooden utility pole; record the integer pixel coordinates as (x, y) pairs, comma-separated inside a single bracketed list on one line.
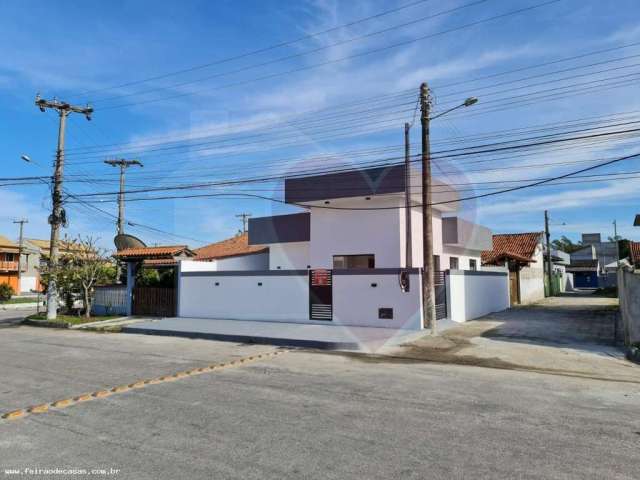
[(547, 237), (428, 290), (615, 237), (407, 194), (58, 215), (22, 221), (245, 219), (123, 164)]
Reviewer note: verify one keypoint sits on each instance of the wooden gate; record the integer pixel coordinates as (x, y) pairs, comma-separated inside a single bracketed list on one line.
[(154, 301), (514, 287)]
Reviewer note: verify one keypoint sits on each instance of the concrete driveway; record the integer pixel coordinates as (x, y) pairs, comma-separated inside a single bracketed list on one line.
[(572, 334), (301, 414)]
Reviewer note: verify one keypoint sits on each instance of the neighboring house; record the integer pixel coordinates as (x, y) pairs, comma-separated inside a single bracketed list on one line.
[(343, 259), (590, 262), (560, 261), (29, 278), (154, 301), (235, 253), (521, 254)]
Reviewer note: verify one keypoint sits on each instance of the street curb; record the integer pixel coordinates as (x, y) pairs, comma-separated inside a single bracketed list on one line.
[(44, 323), (252, 339)]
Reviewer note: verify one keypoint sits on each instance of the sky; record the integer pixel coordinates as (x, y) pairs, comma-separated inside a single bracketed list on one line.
[(268, 88)]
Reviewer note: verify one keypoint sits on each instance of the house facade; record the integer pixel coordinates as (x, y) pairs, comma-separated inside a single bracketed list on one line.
[(29, 278), (589, 263), (346, 258), (522, 255), (234, 253)]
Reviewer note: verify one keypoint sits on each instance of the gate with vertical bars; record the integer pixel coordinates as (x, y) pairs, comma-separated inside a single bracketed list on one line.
[(320, 294)]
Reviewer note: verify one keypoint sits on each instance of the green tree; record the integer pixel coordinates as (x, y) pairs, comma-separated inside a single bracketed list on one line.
[(6, 292), (565, 244)]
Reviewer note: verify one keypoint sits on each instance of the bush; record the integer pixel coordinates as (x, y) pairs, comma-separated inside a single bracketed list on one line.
[(6, 292)]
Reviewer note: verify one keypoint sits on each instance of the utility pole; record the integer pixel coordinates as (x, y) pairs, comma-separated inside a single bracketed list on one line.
[(427, 225), (407, 186), (22, 221), (547, 236), (615, 237), (123, 164), (245, 219), (58, 215)]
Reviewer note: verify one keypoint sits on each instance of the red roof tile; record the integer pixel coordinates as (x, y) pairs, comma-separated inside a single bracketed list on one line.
[(635, 252), (231, 247), (154, 252), (517, 246)]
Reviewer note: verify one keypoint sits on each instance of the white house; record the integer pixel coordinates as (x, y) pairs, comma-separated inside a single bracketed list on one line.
[(343, 259)]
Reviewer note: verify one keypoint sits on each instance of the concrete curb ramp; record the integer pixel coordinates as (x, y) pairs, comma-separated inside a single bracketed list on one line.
[(87, 397)]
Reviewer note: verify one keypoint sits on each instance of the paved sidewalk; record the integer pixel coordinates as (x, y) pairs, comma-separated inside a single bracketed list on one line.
[(571, 335), (329, 337)]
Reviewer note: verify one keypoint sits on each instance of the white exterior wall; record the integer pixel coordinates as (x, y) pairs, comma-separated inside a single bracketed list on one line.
[(532, 279), (289, 256), (27, 284), (279, 298), (475, 294), (356, 301), (355, 232), (285, 298)]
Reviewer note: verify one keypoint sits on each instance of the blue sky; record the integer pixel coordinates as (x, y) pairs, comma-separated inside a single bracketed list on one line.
[(72, 47)]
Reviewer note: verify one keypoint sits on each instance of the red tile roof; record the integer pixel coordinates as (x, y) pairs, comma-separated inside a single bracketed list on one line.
[(516, 246), (231, 247), (635, 252), (165, 251)]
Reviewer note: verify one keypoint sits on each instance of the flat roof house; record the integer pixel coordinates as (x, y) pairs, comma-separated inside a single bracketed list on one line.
[(342, 258)]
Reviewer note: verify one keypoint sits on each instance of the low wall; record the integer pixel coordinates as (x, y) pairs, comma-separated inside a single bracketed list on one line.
[(283, 295), (473, 294), (358, 296), (629, 294), (110, 300), (531, 285)]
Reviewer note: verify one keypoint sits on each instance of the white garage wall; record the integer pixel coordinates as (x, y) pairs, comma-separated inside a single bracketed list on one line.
[(27, 284), (241, 297), (356, 301), (475, 294), (284, 297)]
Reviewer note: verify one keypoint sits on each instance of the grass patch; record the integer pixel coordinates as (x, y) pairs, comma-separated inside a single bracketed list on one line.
[(16, 300), (72, 319)]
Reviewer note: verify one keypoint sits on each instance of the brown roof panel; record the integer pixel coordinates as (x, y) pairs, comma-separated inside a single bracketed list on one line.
[(517, 246), (231, 247)]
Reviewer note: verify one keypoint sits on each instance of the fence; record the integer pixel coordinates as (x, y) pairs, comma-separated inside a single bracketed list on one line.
[(154, 301), (473, 294), (629, 294), (370, 297), (110, 300)]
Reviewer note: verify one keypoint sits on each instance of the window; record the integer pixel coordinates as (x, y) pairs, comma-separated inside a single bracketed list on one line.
[(353, 261), (453, 263), (473, 264), (436, 263)]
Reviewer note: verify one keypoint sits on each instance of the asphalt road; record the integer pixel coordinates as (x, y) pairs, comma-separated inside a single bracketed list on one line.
[(304, 414)]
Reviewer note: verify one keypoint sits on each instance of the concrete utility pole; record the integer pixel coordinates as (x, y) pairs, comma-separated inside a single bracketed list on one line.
[(22, 221), (428, 290), (245, 219), (407, 186), (58, 215), (123, 164), (547, 236), (615, 237)]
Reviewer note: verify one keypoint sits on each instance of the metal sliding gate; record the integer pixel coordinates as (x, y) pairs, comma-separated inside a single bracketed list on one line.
[(440, 287), (320, 295)]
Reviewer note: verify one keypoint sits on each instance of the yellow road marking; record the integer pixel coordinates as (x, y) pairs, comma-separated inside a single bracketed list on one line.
[(67, 402)]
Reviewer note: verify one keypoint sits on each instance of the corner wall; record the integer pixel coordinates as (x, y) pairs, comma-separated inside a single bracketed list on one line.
[(475, 294)]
